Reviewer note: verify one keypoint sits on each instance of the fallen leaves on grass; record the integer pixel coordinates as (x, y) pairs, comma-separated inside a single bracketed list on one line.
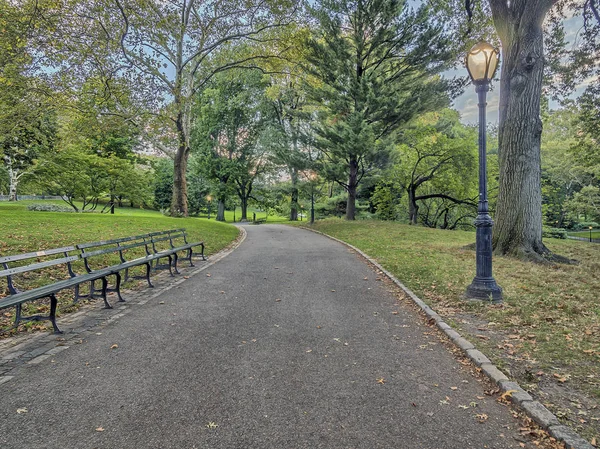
[(562, 378)]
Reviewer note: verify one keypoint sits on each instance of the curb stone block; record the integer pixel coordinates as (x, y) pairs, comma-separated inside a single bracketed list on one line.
[(452, 334), (519, 396), (570, 438), (463, 344), (539, 414), (478, 357), (443, 326), (494, 373)]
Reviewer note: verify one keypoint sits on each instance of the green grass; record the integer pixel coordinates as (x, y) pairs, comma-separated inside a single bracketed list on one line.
[(586, 234), (26, 231), (550, 319)]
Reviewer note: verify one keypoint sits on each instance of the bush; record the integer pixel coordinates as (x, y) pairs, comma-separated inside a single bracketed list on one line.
[(49, 207), (554, 233), (585, 225)]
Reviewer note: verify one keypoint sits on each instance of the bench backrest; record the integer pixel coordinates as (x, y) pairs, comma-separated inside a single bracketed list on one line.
[(146, 241), (171, 236), (18, 264)]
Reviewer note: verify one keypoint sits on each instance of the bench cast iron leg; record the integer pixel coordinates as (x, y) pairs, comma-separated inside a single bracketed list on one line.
[(148, 268), (175, 259), (52, 316), (104, 288), (76, 298), (189, 256), (118, 286), (18, 311), (203, 256)]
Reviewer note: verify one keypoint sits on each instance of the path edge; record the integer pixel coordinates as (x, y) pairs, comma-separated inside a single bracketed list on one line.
[(518, 396)]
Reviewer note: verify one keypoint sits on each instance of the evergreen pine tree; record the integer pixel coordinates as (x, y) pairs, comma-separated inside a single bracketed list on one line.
[(375, 63)]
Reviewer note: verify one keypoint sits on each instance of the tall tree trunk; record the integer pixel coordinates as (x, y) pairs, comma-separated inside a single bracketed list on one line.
[(413, 207), (244, 205), (179, 203), (221, 210), (294, 202), (518, 229), (13, 179), (352, 184)]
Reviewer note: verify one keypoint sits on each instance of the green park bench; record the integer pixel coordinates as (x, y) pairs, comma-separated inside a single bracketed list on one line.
[(127, 253)]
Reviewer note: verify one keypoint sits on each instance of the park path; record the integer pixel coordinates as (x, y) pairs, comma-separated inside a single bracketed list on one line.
[(292, 341)]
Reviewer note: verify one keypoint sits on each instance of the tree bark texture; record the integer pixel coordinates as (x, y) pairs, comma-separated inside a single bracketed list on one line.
[(518, 228), (413, 207), (294, 200), (13, 179), (352, 184), (221, 210), (179, 203)]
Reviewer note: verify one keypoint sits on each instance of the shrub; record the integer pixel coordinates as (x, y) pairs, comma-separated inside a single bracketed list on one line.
[(585, 225), (49, 207), (554, 233)]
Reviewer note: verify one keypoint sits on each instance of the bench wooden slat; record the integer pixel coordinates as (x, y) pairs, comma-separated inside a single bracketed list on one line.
[(47, 252), (109, 242), (37, 266)]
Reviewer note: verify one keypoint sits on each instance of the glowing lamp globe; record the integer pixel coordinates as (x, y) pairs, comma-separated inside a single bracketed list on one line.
[(482, 62)]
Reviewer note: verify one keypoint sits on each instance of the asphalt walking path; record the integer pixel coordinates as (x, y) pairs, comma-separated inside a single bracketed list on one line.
[(292, 341)]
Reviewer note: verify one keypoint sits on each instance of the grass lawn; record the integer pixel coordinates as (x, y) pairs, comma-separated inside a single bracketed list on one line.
[(25, 231), (586, 234), (546, 335)]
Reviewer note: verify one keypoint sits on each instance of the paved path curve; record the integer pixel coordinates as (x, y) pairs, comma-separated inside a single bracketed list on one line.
[(291, 342)]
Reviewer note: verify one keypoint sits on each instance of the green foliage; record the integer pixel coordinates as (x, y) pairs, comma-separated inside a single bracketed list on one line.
[(230, 136), (554, 233), (385, 199), (585, 225), (163, 184), (374, 63), (436, 165)]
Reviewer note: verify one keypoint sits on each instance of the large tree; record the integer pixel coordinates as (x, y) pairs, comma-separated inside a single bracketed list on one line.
[(520, 27), (171, 46), (437, 161), (230, 121), (374, 62)]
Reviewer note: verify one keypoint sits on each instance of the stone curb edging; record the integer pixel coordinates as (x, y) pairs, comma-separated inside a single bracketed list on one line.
[(534, 409)]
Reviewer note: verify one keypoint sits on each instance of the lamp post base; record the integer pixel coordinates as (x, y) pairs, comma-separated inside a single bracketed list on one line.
[(484, 289)]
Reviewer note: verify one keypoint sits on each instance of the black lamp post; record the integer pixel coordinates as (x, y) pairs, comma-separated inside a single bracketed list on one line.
[(590, 234), (481, 62)]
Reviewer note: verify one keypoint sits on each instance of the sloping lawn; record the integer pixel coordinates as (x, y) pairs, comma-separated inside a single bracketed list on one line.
[(546, 335)]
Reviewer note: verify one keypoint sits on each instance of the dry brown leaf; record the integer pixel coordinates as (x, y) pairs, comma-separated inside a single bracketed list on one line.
[(99, 429), (482, 417), (506, 395), (381, 380), (114, 346)]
